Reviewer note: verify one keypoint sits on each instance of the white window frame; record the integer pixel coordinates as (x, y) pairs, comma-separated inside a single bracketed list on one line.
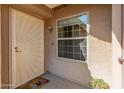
[(87, 38)]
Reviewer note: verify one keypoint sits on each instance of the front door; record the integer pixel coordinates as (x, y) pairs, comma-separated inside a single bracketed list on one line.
[(27, 47)]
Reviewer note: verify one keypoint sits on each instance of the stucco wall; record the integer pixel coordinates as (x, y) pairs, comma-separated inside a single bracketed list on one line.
[(118, 69), (123, 51), (0, 46), (100, 49)]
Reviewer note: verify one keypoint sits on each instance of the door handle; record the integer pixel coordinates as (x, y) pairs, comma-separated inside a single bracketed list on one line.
[(121, 60), (17, 50)]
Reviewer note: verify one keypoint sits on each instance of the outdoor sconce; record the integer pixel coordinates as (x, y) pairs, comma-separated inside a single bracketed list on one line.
[(50, 28)]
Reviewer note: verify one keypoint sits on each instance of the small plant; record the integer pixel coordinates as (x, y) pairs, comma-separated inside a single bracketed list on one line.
[(99, 84)]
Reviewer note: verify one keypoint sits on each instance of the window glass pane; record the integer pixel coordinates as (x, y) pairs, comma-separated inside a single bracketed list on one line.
[(77, 56), (60, 54), (60, 49), (60, 43), (83, 30), (70, 42), (83, 20), (60, 29), (77, 50), (65, 55), (77, 43), (76, 34), (65, 49), (70, 55), (83, 43), (83, 57), (65, 34), (83, 33), (70, 49), (59, 35), (83, 49), (65, 28), (76, 27), (69, 34), (70, 28)]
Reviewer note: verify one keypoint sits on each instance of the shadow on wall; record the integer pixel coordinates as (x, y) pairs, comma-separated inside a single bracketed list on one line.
[(116, 23), (100, 23)]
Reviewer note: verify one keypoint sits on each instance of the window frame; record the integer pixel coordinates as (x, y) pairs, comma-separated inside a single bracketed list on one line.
[(87, 38)]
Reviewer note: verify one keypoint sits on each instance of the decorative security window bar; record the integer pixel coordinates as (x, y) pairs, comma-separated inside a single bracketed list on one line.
[(72, 37)]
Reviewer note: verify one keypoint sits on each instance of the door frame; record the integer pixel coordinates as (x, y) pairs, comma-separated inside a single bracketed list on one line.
[(4, 46), (0, 47)]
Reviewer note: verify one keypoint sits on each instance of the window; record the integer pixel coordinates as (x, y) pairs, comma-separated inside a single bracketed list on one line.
[(72, 37)]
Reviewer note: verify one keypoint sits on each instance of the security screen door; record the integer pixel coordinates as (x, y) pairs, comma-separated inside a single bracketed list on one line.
[(27, 47)]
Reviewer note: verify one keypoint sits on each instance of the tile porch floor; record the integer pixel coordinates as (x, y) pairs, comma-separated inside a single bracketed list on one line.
[(57, 82)]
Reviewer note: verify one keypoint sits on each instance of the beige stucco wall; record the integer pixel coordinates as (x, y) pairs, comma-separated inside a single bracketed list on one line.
[(100, 49), (123, 52), (117, 44)]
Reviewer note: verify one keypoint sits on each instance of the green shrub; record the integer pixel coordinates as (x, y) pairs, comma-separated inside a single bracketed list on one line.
[(99, 84)]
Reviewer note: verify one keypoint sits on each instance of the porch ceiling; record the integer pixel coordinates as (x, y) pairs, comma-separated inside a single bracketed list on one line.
[(52, 5)]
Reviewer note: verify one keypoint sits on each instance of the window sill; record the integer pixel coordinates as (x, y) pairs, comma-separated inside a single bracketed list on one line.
[(70, 60)]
